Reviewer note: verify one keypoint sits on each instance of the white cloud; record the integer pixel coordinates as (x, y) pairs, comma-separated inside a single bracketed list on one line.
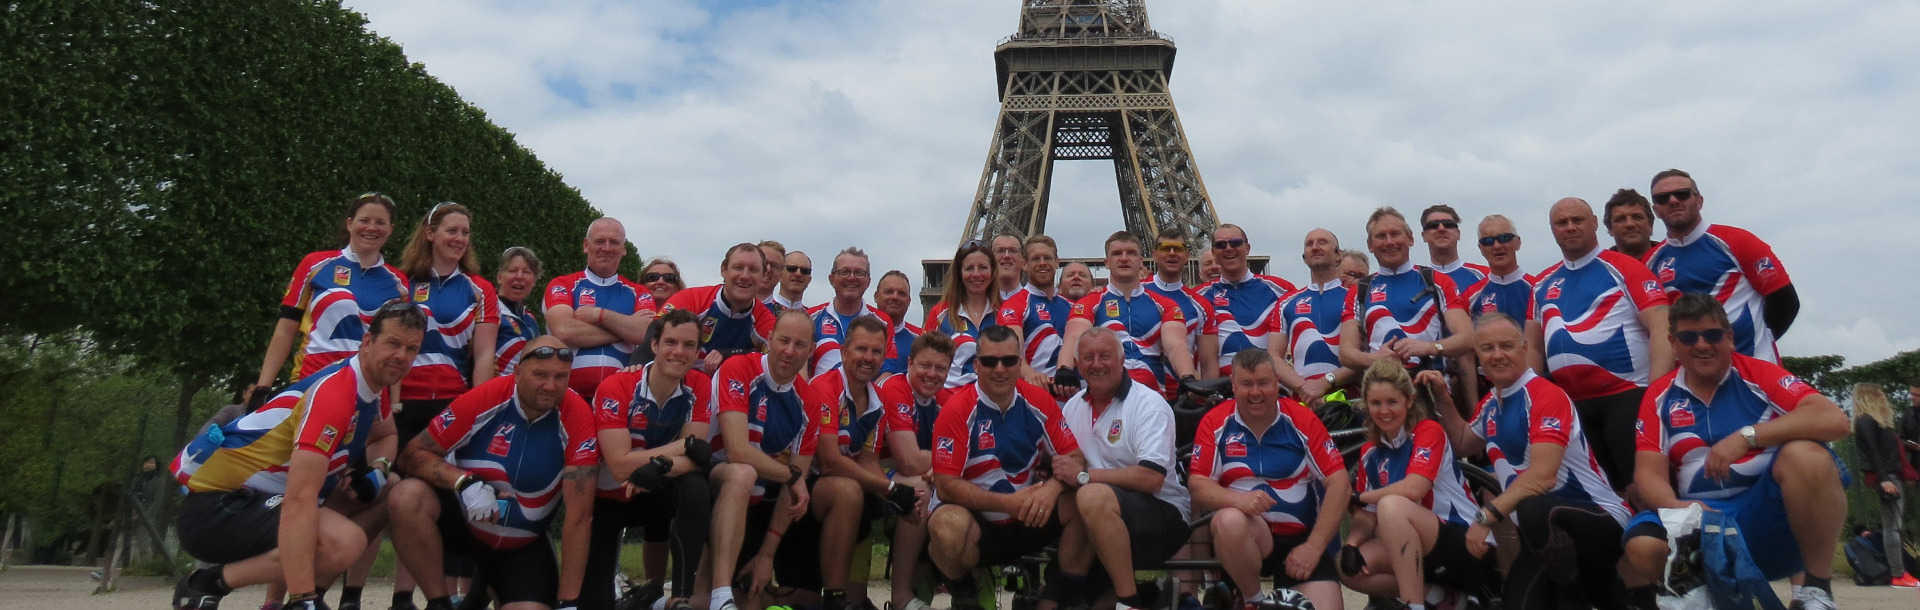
[(829, 123)]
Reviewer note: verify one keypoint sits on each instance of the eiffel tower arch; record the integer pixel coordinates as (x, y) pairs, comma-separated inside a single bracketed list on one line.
[(1085, 79)]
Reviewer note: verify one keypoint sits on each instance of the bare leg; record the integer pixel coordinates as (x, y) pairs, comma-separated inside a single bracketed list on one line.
[(953, 540), (908, 539), (1241, 542), (836, 503), (1378, 581), (1816, 506), (734, 485), (416, 538), (1100, 517), (1324, 594), (1409, 531), (653, 556)]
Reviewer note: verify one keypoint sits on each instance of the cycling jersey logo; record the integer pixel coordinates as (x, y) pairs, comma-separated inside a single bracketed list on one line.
[(1422, 455), (827, 327), (420, 292), (1666, 271), (760, 410), (501, 443), (1650, 286), (1788, 382), (1113, 309), (443, 420), (559, 290), (328, 435), (1553, 290), (985, 434), (1304, 307), (1493, 426), (1330, 447), (1550, 423), (737, 388), (1236, 445), (1765, 268), (1378, 294), (1045, 316), (945, 447), (588, 450), (1489, 305), (274, 501), (609, 405), (638, 421), (1113, 432), (587, 299), (1681, 416), (1079, 309), (706, 329), (1007, 313), (1220, 300)]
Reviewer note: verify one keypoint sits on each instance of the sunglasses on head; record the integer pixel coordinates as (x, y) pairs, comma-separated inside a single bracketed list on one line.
[(799, 269), (994, 362), (392, 305), (1689, 337), (1223, 244), (1502, 238), (1441, 224), (1674, 196), (565, 354), (671, 278)]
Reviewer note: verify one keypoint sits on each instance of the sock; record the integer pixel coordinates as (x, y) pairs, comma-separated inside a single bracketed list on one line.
[(1794, 591), (1416, 607), (1822, 584), (402, 598), (1259, 597), (721, 597), (320, 593), (349, 595), (833, 598), (210, 580)]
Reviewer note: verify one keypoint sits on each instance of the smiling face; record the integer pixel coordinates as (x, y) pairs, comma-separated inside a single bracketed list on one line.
[(1256, 390), (450, 239), (850, 277), (1100, 362), (1389, 239), (369, 228), (1042, 262), (775, 269), (863, 354), (675, 350), (998, 381), (1703, 358), (894, 297), (1387, 407), (788, 348), (927, 372), (1076, 281), (1006, 256), (1232, 259), (605, 245), (799, 273), (1501, 352), (1209, 267), (665, 281), (976, 273), (741, 275)]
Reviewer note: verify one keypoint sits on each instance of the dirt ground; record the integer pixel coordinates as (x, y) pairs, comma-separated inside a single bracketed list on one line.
[(46, 587)]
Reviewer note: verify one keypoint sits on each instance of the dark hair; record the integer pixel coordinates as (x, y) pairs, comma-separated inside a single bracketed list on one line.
[(743, 247), (1438, 207), (1696, 306), (1623, 198), (997, 333), (1673, 173), (954, 296), (1171, 232), (1118, 236), (363, 200), (872, 324), (409, 318), (1251, 358), (673, 317), (937, 342)]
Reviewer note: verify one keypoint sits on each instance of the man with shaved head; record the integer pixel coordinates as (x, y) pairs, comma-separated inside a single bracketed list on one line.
[(1507, 289), (596, 311), (1601, 315), (1309, 324)]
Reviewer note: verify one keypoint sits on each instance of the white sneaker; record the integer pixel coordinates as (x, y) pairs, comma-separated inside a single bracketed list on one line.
[(1812, 598)]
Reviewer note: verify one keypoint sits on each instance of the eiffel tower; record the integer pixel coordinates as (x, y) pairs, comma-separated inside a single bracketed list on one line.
[(1085, 79)]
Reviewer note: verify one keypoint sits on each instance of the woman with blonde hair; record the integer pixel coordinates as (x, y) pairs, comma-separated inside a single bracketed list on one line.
[(1880, 461)]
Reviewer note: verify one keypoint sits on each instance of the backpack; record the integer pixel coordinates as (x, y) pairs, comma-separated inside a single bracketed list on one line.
[(1868, 562)]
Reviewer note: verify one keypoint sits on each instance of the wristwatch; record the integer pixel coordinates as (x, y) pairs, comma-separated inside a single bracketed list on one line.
[(1438, 348), (1487, 517), (1748, 433), (1083, 478)]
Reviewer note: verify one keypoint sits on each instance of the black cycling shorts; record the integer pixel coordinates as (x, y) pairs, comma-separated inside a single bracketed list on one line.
[(528, 573), (1006, 543), (228, 526), (1275, 564)]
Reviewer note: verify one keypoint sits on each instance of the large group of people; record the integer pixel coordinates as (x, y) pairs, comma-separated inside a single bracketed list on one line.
[(755, 439)]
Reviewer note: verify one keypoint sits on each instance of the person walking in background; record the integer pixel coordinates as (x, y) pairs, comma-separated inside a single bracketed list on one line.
[(1883, 463)]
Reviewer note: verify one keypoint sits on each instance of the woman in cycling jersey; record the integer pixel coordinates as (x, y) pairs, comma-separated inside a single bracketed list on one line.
[(332, 291), (967, 305), (518, 273)]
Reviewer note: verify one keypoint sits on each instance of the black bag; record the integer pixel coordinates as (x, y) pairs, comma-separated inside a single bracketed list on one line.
[(1869, 563)]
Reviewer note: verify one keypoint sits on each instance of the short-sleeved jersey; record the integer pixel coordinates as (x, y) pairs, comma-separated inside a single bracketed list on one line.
[(616, 294), (1736, 268), (1042, 321), (487, 433), (626, 402), (1510, 294), (1134, 429), (999, 450), (334, 297), (910, 413), (722, 328), (778, 420), (1195, 310), (1398, 304), (330, 413), (1681, 426), (1425, 452), (454, 305), (902, 337), (830, 333), (1139, 319), (779, 304), (1246, 313), (1289, 461), (517, 327), (833, 412), (1311, 319), (1463, 273), (966, 339), (1590, 315), (1535, 411)]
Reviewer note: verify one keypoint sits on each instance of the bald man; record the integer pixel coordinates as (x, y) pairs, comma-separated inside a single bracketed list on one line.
[(597, 312), (1309, 324)]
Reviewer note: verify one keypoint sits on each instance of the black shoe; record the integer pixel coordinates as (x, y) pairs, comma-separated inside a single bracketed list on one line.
[(406, 605), (185, 597), (349, 605)]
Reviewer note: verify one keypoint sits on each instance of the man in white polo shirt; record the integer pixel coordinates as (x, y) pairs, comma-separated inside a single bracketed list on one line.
[(1132, 511)]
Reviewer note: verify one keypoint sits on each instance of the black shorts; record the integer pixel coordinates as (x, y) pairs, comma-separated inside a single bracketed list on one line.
[(1006, 543), (529, 573), (413, 417), (1450, 565), (1155, 529), (228, 526), (1275, 565)]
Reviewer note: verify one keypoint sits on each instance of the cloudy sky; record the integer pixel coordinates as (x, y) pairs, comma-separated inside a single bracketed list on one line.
[(827, 123)]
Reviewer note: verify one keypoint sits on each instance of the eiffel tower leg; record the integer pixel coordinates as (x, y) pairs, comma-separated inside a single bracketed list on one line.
[(1164, 174), (1012, 197)]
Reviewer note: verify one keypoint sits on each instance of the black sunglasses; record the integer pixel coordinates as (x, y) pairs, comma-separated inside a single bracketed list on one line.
[(1502, 238), (799, 269), (991, 362), (1442, 223), (1689, 337), (565, 354), (1222, 244), (671, 278), (1676, 196)]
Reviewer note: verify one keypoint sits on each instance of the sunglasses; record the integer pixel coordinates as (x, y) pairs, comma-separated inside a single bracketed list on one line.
[(1502, 238), (436, 210), (565, 354), (1223, 244), (1171, 248), (799, 269), (394, 305), (1441, 224), (671, 278), (1712, 335), (994, 362), (1675, 196)]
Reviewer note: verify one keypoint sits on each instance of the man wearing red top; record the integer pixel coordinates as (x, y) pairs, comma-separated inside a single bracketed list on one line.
[(1007, 263), (1730, 263), (732, 320), (852, 483), (597, 312)]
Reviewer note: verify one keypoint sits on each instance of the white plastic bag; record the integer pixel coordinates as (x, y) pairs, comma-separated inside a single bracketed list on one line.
[(1679, 523)]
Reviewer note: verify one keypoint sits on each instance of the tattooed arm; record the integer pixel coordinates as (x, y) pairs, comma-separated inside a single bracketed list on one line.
[(426, 459), (576, 491)]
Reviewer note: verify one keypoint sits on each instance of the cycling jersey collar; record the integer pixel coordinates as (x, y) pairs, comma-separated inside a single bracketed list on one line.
[(1406, 432), (766, 364), (1239, 282), (846, 392), (600, 281), (644, 389), (1406, 267), (776, 299), (520, 404), (1680, 383), (1517, 275), (1036, 290), (350, 255), (1325, 286), (988, 400), (1518, 386), (1168, 286), (1009, 294), (1682, 241), (1137, 291), (1457, 264), (1576, 264), (367, 393)]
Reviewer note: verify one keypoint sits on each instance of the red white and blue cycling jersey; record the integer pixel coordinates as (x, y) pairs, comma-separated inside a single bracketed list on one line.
[(486, 433), (517, 327), (1590, 313), (625, 401), (454, 305), (1510, 294), (999, 450), (330, 413), (1245, 313), (1399, 305), (1289, 462), (1425, 453), (1533, 411), (1042, 321), (907, 412), (901, 349), (830, 333), (833, 411), (1196, 310), (1310, 318), (779, 423), (1736, 268), (616, 294), (722, 328), (1678, 424), (1139, 319), (965, 340), (334, 296), (1463, 273)]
